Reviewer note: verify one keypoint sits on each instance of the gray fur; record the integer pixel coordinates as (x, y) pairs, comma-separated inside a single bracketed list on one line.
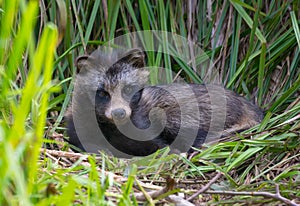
[(186, 113)]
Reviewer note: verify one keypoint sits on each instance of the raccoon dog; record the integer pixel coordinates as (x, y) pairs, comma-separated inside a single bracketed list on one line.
[(133, 118)]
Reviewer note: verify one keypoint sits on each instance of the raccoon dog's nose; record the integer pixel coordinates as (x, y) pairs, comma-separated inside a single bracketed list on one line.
[(118, 114)]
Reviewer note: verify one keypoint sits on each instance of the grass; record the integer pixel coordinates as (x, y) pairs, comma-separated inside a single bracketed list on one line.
[(253, 45)]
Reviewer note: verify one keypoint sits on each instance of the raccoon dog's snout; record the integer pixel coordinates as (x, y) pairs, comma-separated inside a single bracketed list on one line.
[(118, 111), (118, 114)]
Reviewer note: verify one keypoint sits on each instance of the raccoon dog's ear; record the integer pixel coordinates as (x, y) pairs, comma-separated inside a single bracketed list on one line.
[(134, 57), (81, 62)]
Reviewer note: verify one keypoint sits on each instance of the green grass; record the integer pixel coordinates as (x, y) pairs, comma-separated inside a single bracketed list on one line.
[(253, 45)]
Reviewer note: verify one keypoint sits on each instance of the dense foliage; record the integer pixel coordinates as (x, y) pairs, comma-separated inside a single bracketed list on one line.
[(254, 45)]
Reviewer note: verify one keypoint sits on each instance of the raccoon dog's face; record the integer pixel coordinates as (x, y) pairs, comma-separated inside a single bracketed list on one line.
[(119, 82)]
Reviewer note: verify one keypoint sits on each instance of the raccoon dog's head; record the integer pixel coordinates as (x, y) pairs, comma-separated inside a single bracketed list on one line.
[(118, 80)]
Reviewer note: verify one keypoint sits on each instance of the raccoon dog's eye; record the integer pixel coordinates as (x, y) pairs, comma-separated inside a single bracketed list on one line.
[(102, 95), (128, 90)]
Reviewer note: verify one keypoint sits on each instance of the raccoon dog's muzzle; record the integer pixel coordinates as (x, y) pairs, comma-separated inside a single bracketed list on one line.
[(118, 111)]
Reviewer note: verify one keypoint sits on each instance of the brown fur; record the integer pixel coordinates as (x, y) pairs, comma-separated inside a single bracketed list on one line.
[(160, 112)]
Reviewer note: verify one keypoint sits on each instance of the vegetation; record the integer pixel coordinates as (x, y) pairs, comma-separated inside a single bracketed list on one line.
[(255, 48)]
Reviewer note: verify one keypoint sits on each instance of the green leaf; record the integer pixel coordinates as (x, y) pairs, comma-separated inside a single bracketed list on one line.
[(243, 157), (237, 5), (296, 27)]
